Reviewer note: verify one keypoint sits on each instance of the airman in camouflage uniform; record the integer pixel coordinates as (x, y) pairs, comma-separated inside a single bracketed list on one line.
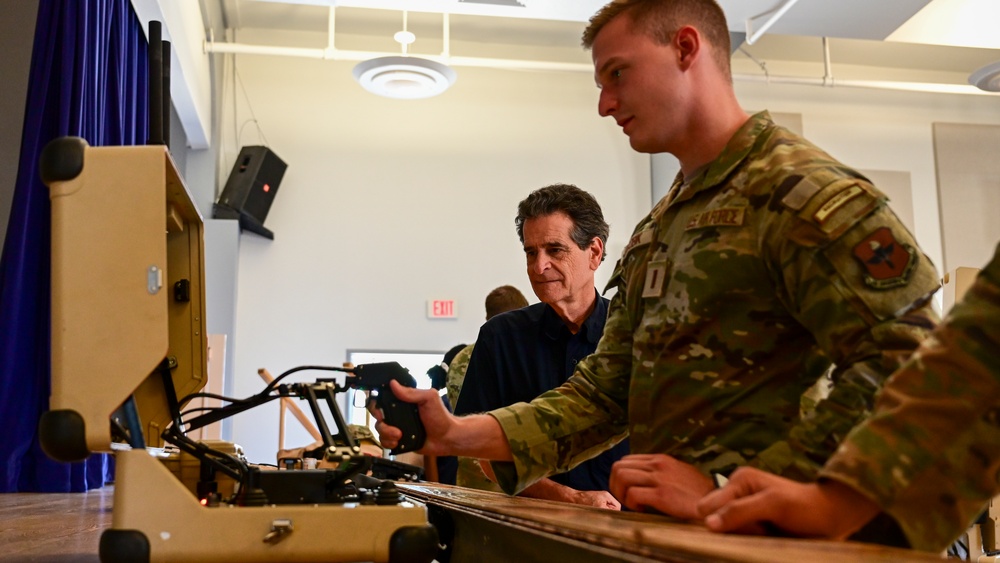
[(456, 373), (735, 295), (930, 456)]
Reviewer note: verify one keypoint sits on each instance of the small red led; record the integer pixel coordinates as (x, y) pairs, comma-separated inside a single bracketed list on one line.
[(267, 188)]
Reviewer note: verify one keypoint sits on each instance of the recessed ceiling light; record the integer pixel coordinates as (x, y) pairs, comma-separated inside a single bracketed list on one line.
[(406, 78), (987, 78)]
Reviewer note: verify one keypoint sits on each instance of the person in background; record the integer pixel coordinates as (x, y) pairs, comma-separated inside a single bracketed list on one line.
[(929, 456), (767, 262), (500, 300), (442, 469), (523, 353)]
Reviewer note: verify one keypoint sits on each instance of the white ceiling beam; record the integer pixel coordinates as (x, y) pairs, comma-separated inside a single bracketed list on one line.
[(772, 17)]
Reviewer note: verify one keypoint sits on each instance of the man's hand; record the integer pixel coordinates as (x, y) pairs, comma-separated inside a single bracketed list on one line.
[(436, 418), (659, 482), (754, 497), (550, 490), (600, 499), (477, 436)]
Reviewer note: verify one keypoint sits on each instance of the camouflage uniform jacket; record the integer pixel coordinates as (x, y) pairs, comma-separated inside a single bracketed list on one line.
[(930, 455), (734, 295), (456, 373)]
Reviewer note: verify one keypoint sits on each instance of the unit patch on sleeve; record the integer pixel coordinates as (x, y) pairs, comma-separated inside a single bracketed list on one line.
[(888, 263)]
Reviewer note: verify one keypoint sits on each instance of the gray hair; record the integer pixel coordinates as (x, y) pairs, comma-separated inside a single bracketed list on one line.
[(581, 207)]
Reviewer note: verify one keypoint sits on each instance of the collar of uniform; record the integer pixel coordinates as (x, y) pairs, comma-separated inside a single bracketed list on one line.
[(737, 149), (553, 326), (716, 172)]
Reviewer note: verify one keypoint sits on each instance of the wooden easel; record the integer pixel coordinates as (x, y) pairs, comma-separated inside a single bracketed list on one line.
[(287, 404)]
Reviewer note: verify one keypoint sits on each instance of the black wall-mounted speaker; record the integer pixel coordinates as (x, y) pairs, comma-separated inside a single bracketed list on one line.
[(251, 188)]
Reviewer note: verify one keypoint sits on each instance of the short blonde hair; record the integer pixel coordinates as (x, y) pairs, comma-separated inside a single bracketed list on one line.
[(502, 299), (660, 20)]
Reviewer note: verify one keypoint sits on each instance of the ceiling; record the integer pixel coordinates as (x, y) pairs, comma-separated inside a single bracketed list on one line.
[(862, 19), (858, 29)]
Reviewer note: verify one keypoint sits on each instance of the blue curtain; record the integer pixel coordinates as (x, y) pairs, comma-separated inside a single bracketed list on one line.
[(88, 78)]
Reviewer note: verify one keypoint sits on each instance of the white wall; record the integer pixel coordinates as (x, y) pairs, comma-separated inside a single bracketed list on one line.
[(388, 203)]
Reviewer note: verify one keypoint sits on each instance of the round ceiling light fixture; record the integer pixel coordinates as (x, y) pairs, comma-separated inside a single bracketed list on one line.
[(405, 78), (987, 78)]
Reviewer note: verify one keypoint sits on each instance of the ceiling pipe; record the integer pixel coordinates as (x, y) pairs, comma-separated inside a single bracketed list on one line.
[(344, 55), (927, 87), (331, 28), (446, 35), (753, 36), (827, 67), (513, 64)]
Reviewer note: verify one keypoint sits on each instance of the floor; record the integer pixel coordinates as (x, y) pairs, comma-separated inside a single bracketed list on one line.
[(53, 527)]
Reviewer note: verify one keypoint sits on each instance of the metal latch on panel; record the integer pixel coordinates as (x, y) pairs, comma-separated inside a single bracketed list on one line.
[(279, 530), (154, 280)]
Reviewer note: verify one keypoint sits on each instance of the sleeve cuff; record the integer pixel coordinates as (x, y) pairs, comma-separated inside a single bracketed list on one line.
[(532, 451)]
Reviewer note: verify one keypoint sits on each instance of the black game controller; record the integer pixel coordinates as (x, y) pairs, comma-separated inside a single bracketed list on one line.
[(402, 415)]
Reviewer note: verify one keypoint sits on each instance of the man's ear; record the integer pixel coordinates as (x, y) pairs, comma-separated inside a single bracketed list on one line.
[(688, 43), (595, 252)]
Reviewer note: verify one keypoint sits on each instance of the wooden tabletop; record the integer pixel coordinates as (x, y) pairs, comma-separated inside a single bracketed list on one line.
[(642, 536), (66, 527), (53, 527)]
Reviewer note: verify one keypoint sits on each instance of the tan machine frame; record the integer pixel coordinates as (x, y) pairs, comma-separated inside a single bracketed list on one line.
[(125, 232)]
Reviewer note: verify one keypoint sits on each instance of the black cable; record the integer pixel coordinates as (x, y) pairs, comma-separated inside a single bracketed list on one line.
[(197, 410), (202, 452), (188, 398), (274, 383), (207, 418), (176, 435)]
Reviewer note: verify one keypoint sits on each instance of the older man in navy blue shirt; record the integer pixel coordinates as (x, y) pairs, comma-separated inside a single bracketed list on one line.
[(521, 354)]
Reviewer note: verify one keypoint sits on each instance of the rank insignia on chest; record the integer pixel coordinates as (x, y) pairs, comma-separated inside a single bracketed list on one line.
[(656, 275), (888, 263), (722, 217)]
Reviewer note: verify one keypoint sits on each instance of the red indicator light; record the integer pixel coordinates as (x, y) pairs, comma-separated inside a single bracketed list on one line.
[(267, 188), (204, 502)]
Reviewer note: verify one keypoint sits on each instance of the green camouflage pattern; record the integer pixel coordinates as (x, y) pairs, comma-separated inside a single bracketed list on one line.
[(456, 373), (469, 473), (930, 455), (734, 296)]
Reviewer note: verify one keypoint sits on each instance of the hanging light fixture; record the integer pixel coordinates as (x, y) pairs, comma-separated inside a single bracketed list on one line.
[(987, 78), (404, 77)]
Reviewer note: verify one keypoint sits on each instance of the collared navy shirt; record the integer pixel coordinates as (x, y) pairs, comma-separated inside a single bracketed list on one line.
[(523, 353)]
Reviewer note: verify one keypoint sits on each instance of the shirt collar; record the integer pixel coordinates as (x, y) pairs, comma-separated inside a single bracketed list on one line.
[(553, 326)]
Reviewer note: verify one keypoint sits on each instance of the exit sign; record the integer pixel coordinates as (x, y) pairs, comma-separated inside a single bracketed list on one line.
[(442, 309)]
